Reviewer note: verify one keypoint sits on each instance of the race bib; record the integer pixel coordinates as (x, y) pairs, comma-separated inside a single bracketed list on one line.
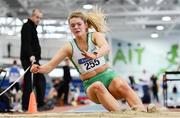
[(91, 64)]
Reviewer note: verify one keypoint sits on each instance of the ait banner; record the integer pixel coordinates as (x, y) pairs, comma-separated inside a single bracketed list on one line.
[(154, 56)]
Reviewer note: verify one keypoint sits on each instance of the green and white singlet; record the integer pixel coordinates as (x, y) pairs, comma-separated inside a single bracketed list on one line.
[(82, 64)]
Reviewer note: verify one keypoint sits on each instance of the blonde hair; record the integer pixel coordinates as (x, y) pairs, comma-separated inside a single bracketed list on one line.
[(95, 19)]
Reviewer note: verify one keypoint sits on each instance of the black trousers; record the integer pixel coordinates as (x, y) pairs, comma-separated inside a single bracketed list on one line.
[(39, 84), (63, 88)]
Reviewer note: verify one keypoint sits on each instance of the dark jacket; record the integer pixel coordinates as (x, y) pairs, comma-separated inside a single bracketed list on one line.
[(29, 42)]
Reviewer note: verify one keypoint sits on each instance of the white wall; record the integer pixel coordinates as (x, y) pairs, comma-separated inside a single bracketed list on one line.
[(48, 47)]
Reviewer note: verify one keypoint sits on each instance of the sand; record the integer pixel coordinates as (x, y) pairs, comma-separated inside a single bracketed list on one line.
[(120, 114)]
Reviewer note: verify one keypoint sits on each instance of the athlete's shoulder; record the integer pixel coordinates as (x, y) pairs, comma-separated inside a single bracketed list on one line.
[(68, 47), (98, 34)]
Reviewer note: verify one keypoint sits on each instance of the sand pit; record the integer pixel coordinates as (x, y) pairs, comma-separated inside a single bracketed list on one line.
[(120, 114)]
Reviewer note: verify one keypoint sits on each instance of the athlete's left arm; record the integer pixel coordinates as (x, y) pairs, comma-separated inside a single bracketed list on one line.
[(100, 41)]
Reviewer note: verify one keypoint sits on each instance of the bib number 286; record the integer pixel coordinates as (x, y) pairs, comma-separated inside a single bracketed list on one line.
[(91, 64)]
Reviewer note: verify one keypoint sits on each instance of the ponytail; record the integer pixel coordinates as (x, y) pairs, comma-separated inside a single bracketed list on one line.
[(96, 19)]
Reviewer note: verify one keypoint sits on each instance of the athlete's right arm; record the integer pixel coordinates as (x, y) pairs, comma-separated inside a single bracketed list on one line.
[(63, 52)]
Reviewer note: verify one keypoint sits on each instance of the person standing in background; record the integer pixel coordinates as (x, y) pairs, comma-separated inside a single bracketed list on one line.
[(154, 87), (14, 73), (31, 52), (145, 82), (132, 81), (175, 95), (9, 45), (64, 88)]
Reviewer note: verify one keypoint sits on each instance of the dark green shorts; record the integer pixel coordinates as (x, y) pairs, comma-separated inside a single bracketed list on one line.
[(105, 77)]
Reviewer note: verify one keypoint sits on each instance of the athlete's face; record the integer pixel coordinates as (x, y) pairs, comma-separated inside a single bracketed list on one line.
[(77, 26)]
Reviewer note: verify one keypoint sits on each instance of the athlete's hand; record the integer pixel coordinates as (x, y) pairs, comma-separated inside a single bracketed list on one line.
[(89, 55), (35, 68)]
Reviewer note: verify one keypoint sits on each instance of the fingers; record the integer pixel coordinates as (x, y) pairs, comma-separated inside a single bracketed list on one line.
[(84, 53), (35, 68), (88, 55)]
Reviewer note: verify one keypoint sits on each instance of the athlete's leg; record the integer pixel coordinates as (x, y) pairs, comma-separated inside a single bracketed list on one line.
[(120, 89), (99, 94)]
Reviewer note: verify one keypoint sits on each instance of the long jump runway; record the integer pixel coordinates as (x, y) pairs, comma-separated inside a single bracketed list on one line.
[(94, 111)]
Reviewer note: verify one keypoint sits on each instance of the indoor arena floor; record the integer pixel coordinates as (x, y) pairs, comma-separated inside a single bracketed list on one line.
[(93, 111)]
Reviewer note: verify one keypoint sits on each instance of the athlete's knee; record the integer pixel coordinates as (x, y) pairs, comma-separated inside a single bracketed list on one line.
[(122, 87), (98, 86)]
